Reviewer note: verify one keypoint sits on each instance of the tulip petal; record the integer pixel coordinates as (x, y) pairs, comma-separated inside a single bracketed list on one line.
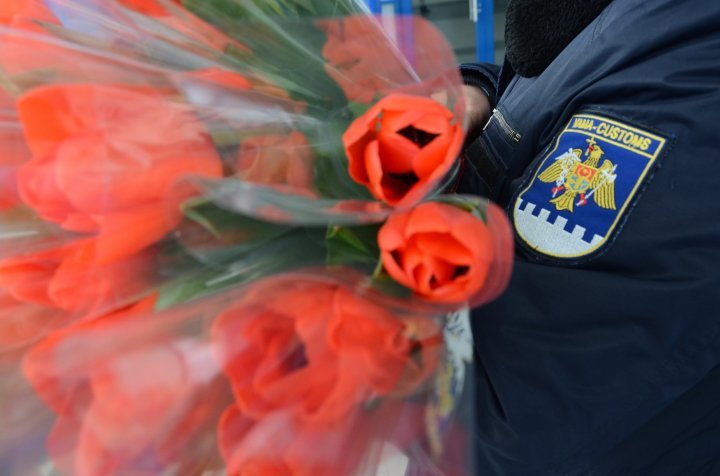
[(444, 246), (395, 269), (24, 323), (373, 166), (442, 271), (357, 166), (436, 159), (392, 234), (80, 285), (435, 120), (427, 218), (38, 187), (397, 153), (26, 278), (123, 234), (422, 276)]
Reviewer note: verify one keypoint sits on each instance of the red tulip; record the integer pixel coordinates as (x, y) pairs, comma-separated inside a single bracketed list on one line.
[(317, 351), (402, 147), (106, 160), (441, 252), (64, 278), (128, 398), (284, 161)]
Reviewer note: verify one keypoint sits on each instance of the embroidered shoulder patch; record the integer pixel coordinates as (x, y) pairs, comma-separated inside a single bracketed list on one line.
[(584, 185)]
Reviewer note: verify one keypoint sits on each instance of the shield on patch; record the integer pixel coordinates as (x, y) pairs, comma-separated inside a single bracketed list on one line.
[(584, 185)]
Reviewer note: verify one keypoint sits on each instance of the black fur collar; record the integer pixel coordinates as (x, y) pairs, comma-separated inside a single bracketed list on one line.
[(538, 30)]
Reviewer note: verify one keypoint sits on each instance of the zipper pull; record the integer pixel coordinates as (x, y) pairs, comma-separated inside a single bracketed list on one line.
[(509, 131)]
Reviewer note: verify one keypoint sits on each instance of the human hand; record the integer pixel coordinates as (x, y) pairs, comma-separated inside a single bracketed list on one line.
[(478, 111)]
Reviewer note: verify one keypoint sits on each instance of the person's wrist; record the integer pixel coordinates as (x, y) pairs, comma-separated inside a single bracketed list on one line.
[(477, 111)]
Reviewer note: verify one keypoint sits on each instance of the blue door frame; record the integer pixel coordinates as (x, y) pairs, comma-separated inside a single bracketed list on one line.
[(484, 31)]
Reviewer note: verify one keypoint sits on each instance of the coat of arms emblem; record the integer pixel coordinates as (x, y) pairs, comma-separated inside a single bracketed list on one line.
[(584, 185), (578, 176)]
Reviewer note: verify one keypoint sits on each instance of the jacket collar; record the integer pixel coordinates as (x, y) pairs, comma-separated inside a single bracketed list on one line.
[(536, 31)]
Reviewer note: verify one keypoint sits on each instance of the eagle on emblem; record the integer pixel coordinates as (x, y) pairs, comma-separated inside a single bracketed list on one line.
[(574, 178)]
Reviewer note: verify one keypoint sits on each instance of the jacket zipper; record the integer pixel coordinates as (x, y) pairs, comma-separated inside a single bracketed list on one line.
[(509, 131)]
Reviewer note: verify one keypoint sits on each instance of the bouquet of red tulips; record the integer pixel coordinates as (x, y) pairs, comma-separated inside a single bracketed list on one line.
[(229, 242)]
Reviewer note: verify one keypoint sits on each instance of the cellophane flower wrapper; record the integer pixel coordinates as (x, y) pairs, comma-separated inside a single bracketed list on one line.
[(227, 242)]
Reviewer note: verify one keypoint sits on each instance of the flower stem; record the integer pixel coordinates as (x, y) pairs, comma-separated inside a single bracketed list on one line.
[(378, 270)]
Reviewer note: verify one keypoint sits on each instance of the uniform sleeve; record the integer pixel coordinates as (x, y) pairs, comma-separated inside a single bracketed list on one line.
[(484, 76)]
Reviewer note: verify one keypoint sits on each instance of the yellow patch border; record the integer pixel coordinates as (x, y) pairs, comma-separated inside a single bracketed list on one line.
[(641, 179)]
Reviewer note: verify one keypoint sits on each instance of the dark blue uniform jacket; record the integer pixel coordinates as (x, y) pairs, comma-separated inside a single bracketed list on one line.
[(601, 358)]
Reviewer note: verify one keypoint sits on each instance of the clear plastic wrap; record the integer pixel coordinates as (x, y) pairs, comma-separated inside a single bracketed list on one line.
[(227, 241)]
